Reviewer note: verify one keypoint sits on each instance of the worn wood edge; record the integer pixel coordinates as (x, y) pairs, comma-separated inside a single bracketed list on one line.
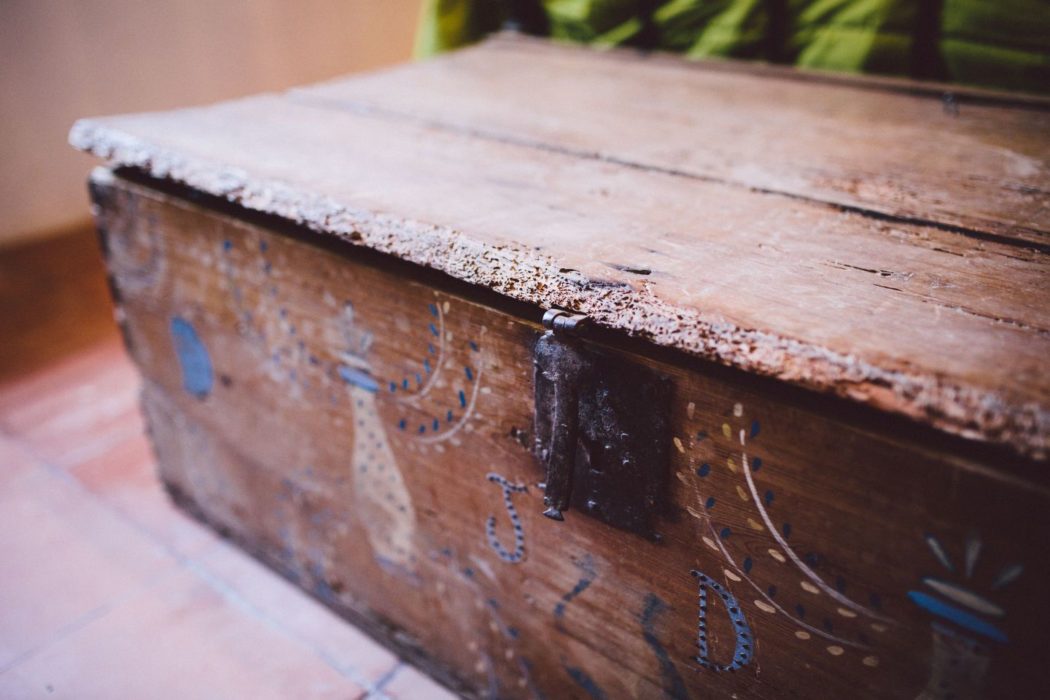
[(960, 92), (525, 275)]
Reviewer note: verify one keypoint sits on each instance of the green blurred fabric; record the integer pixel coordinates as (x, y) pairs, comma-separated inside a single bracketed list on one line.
[(992, 43)]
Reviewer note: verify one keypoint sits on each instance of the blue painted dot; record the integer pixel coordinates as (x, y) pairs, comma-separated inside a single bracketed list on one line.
[(283, 312), (263, 246), (462, 399), (725, 533), (747, 565), (434, 331), (756, 464), (786, 528), (393, 387), (710, 502), (769, 498), (402, 423), (430, 349), (193, 358), (754, 428), (469, 373), (448, 416), (704, 469), (801, 610), (404, 383), (419, 380), (434, 310), (227, 245), (701, 436), (422, 429), (426, 365), (474, 346), (267, 267), (436, 424)]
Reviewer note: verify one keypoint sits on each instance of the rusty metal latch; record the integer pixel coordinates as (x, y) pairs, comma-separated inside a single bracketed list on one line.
[(602, 428)]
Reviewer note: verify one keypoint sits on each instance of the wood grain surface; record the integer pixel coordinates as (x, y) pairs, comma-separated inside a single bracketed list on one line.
[(979, 168), (856, 239), (366, 435)]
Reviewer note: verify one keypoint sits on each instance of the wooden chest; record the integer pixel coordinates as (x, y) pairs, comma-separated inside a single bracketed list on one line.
[(788, 417)]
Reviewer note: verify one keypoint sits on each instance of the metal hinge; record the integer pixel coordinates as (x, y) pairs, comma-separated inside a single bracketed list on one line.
[(565, 322), (602, 428)]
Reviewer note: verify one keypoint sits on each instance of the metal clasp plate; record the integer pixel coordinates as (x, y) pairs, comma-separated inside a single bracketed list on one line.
[(602, 427)]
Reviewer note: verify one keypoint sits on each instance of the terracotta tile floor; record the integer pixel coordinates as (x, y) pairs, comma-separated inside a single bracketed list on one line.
[(107, 591)]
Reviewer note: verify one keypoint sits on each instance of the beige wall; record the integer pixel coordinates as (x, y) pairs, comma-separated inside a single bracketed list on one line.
[(64, 59)]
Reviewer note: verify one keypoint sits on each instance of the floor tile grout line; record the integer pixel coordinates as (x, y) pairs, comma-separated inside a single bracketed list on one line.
[(91, 448), (91, 616), (388, 676), (66, 630), (95, 448), (66, 394)]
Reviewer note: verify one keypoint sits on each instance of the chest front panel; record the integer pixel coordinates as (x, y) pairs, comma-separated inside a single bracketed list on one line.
[(369, 435)]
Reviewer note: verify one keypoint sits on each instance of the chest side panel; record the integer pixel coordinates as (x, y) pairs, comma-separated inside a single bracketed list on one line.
[(369, 437)]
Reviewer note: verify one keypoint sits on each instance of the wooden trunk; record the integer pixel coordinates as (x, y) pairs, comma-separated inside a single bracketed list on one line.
[(850, 508)]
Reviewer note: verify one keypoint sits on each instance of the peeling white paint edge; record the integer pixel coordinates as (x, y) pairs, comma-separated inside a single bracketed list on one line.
[(520, 273)]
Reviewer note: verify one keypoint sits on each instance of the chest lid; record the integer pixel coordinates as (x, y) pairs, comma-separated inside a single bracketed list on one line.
[(867, 238)]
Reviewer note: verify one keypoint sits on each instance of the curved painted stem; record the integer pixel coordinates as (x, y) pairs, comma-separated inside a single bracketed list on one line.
[(796, 560)]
